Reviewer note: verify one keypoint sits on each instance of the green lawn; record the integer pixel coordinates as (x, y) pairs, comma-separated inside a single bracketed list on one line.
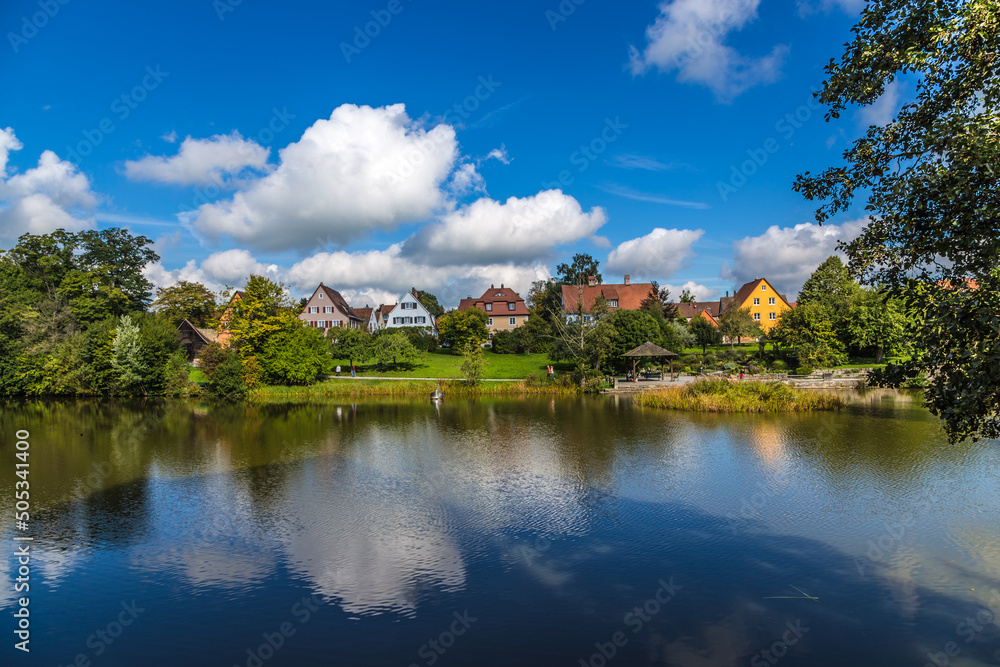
[(196, 375), (444, 364)]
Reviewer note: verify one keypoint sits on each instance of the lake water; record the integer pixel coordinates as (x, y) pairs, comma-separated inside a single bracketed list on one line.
[(531, 532)]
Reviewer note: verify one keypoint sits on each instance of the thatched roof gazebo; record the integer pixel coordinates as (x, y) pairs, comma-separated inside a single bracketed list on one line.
[(647, 349)]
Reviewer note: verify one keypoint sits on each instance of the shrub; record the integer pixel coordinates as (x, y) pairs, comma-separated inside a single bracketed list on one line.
[(506, 342), (803, 370), (226, 380), (779, 365)]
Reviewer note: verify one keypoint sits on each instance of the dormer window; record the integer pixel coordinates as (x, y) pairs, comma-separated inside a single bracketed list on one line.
[(511, 306), (612, 303), (489, 307)]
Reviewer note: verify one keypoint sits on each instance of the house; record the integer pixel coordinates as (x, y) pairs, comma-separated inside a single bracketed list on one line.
[(327, 309), (381, 316), (408, 312), (627, 296), (365, 316), (193, 338), (503, 306), (759, 296), (225, 338)]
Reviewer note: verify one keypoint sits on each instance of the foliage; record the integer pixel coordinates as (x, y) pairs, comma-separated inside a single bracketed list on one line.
[(126, 358), (579, 271), (351, 344), (728, 396), (633, 328), (929, 179), (265, 311), (687, 297), (875, 321), (393, 346), (810, 329), (177, 373), (677, 336), (804, 370), (473, 364), (658, 299), (430, 302), (705, 333), (738, 323), (226, 380), (829, 285), (462, 327), (294, 357), (185, 301)]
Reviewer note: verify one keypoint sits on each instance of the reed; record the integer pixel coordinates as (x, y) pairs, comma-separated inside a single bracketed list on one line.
[(727, 396)]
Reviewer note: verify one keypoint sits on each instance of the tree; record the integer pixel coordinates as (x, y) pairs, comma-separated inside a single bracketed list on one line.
[(738, 323), (430, 303), (121, 257), (929, 181), (473, 363), (579, 271), (705, 333), (294, 357), (185, 301), (264, 311), (351, 344), (633, 328), (392, 346), (462, 327), (687, 297), (829, 285), (126, 357), (658, 299), (811, 331), (877, 322)]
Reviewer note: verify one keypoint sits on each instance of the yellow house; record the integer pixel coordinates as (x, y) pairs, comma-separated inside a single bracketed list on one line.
[(765, 303)]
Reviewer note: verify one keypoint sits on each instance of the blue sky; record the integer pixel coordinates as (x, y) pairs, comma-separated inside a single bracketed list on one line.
[(661, 137)]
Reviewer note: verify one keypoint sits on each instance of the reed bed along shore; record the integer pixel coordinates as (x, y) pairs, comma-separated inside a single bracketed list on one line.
[(410, 388), (728, 396)]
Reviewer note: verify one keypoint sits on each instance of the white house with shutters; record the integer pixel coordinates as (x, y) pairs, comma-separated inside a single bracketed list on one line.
[(409, 312)]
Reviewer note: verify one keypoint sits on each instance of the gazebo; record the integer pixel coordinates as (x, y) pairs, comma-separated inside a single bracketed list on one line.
[(647, 349)]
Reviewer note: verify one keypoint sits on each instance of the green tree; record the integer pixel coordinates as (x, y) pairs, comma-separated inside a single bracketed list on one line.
[(296, 356), (462, 327), (473, 363), (351, 344), (829, 285), (658, 299), (810, 330), (738, 323), (929, 181), (579, 270), (127, 358), (633, 328), (392, 346), (120, 257), (877, 322), (186, 301), (430, 302), (265, 310), (687, 297), (225, 377), (705, 333)]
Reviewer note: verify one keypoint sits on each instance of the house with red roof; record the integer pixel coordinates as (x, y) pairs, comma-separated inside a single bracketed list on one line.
[(504, 308)]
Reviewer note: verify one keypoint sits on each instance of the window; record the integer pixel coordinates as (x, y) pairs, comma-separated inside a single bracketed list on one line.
[(420, 320), (396, 320), (525, 318), (756, 316), (511, 306), (313, 309), (513, 321), (328, 309), (613, 303), (756, 302), (772, 316), (321, 295), (763, 288), (489, 307), (407, 320), (770, 301), (490, 322)]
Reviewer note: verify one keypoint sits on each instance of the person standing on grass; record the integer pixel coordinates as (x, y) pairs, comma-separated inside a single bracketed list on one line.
[(354, 372), (338, 370), (548, 371), (741, 375)]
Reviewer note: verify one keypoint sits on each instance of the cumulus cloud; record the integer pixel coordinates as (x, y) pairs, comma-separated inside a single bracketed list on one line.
[(51, 196), (659, 254), (698, 291), (215, 160), (499, 154), (466, 179), (229, 268), (689, 37), (807, 7), (361, 170), (518, 230), (786, 256), (883, 110)]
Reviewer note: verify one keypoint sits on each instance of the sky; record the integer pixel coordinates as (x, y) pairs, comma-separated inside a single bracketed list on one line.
[(387, 144)]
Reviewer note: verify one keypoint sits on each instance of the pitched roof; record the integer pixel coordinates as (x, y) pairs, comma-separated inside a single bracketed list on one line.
[(337, 300), (629, 297), (495, 295), (207, 335), (648, 349), (694, 308), (385, 310), (364, 314)]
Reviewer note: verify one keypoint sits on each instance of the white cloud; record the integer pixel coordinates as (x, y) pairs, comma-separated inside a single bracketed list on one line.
[(659, 254), (466, 179), (170, 137), (51, 196), (519, 230), (217, 159), (883, 110), (698, 291), (786, 256), (689, 37), (644, 162), (807, 7), (229, 268), (364, 169), (499, 154)]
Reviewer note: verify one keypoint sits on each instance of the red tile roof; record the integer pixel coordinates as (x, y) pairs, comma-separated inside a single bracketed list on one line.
[(364, 314), (337, 300), (500, 297), (629, 297)]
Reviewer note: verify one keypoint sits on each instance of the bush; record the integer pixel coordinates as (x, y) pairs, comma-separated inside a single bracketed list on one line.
[(506, 342), (779, 365), (226, 380), (803, 370), (178, 376)]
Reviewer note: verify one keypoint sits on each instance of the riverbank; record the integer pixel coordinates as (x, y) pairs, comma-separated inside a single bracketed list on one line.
[(359, 388), (727, 396)]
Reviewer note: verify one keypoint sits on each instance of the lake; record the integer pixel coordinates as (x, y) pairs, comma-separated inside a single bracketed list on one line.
[(570, 531)]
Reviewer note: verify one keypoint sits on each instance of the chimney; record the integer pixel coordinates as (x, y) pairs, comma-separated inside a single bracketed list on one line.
[(591, 281), (627, 281), (727, 294)]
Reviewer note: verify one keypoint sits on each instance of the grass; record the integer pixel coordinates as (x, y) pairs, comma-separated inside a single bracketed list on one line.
[(726, 396), (196, 375), (421, 388), (445, 364)]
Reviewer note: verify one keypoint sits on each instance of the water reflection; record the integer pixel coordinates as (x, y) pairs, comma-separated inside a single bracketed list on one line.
[(550, 518)]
